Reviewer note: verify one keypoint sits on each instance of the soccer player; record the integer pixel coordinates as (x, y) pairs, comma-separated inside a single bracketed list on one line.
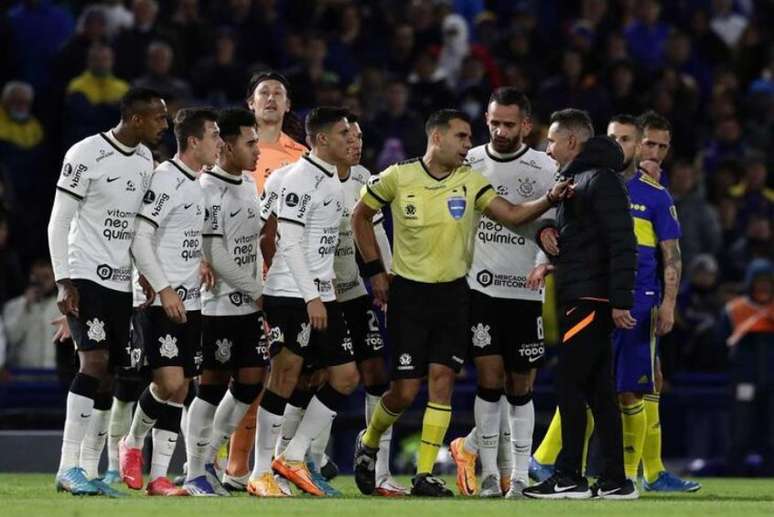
[(167, 249), (596, 268), (358, 308), (434, 202), (232, 323), (506, 315), (100, 189), (268, 99), (300, 302)]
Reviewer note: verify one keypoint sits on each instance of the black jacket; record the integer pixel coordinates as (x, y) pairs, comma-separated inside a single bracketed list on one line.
[(597, 247)]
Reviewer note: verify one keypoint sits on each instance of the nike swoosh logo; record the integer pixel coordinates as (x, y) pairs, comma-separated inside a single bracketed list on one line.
[(172, 440), (326, 203), (608, 492), (235, 213), (378, 347), (111, 180), (570, 311), (85, 416), (533, 359), (148, 422), (274, 426), (201, 444), (102, 434), (188, 206), (558, 488)]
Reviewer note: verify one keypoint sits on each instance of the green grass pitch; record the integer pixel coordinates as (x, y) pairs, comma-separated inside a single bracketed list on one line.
[(33, 495)]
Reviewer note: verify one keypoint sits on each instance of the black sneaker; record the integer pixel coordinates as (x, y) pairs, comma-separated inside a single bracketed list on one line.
[(559, 487), (365, 466), (425, 485), (615, 490), (330, 470)]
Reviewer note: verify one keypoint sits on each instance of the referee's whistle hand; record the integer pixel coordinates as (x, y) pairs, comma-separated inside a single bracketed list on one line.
[(318, 316), (380, 288), (173, 305), (623, 319)]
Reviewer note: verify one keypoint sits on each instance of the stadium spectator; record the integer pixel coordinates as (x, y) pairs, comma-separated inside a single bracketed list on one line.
[(726, 143), (624, 95), (219, 78), (647, 35), (158, 76), (10, 266), (91, 104), (132, 43), (699, 221), (427, 82), (402, 50), (727, 24), (90, 30), (397, 120), (189, 33), (21, 138), (754, 196), (756, 242), (27, 319), (311, 73), (246, 20)]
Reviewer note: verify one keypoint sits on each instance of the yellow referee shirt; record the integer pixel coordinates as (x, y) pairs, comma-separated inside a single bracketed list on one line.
[(433, 220)]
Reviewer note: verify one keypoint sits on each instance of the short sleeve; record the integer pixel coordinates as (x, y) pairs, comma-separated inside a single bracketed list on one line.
[(214, 220), (381, 189), (158, 200), (294, 202), (77, 171), (665, 221), (484, 192)]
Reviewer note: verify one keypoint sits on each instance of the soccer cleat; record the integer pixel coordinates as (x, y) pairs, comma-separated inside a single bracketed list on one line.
[(538, 472), (199, 487), (297, 473), (111, 477), (490, 487), (283, 484), (505, 482), (516, 489), (559, 487), (615, 491), (365, 466), (214, 480), (105, 489), (235, 483), (668, 482), (74, 480), (388, 487), (425, 485), (466, 467), (265, 486), (321, 482), (329, 470), (165, 487), (130, 461)]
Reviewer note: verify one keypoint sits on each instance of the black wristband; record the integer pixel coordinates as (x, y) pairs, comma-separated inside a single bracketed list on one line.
[(372, 268)]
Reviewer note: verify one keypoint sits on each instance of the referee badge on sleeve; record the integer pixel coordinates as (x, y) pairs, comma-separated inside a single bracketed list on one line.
[(456, 206)]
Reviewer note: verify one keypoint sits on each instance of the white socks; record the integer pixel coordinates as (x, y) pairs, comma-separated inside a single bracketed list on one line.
[(164, 443), (319, 444), (79, 412), (94, 441), (269, 426), (504, 453), (120, 420), (227, 417), (487, 416), (316, 417), (291, 418), (198, 436), (383, 457), (522, 426)]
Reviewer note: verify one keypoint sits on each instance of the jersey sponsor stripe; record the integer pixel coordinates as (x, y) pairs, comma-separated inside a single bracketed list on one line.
[(285, 219), (76, 196), (154, 223)]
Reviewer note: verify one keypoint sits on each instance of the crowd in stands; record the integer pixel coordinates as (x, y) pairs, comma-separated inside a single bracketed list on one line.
[(707, 65)]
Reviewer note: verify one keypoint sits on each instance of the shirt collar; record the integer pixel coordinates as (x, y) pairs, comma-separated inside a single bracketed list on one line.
[(324, 166)]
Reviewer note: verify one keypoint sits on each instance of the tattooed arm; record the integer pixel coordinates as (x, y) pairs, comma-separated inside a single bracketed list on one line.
[(673, 267)]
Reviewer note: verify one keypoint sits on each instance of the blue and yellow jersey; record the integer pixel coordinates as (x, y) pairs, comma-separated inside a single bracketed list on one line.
[(655, 220)]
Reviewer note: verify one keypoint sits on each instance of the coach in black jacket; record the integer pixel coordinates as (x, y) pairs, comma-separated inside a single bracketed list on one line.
[(595, 271)]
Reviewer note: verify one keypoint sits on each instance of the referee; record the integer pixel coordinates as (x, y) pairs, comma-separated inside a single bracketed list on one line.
[(435, 201)]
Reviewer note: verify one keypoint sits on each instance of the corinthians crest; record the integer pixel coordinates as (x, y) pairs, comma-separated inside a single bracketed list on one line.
[(481, 335), (526, 187), (96, 330), (168, 347), (304, 334), (223, 353)]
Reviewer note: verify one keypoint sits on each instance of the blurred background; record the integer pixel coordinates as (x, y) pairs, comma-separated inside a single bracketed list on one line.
[(706, 65)]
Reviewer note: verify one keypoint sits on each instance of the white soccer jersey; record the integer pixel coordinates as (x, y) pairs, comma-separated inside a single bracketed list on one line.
[(349, 284), (174, 204), (231, 213), (109, 180), (503, 256), (271, 192), (311, 196)]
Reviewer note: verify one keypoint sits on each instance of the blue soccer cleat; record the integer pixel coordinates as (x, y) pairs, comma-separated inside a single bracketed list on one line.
[(214, 480), (321, 482), (105, 489), (112, 477), (539, 472), (199, 487), (668, 482), (74, 480)]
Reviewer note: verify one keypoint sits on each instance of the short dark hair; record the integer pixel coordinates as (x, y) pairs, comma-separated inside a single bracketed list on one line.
[(352, 118), (652, 120), (133, 98), (442, 118), (232, 120), (574, 120), (322, 118), (626, 119), (190, 122), (510, 96), (266, 75)]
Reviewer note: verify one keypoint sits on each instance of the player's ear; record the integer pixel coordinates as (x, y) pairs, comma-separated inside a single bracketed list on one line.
[(526, 126)]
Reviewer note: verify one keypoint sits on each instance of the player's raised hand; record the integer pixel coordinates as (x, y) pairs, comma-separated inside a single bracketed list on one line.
[(67, 298), (623, 319), (651, 168), (173, 305), (318, 315), (560, 191), (147, 290), (537, 277), (549, 239)]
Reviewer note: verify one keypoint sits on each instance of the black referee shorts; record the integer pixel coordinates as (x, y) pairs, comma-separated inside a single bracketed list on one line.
[(427, 323)]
